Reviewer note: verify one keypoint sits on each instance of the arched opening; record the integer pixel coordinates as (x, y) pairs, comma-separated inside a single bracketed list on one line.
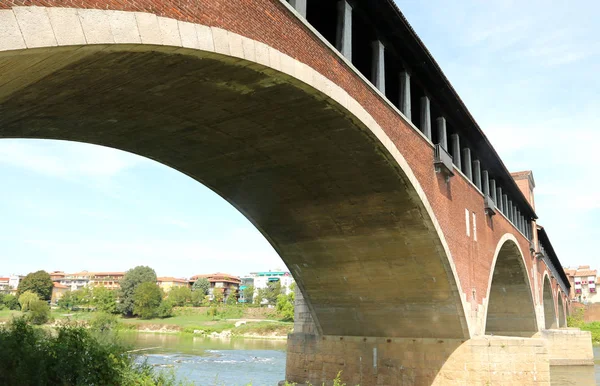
[(562, 319), (549, 310), (313, 179), (510, 310)]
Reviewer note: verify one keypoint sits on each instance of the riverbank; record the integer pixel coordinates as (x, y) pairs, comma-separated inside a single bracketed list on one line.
[(186, 321)]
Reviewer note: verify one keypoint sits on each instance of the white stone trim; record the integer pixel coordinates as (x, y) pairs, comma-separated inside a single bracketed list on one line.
[(208, 41), (507, 237)]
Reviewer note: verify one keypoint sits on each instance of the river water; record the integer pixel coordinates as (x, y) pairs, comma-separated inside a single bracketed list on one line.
[(261, 362), (212, 361)]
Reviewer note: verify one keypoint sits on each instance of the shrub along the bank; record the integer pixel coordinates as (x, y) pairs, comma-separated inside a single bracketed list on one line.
[(73, 355)]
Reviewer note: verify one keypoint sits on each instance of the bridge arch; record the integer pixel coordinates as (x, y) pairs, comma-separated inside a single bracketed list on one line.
[(549, 304), (299, 157), (562, 318), (510, 307)]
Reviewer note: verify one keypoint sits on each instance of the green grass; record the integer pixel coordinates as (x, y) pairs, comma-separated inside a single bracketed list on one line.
[(6, 315), (264, 328), (594, 328)]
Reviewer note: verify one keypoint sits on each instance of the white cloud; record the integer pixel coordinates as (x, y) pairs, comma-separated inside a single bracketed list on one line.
[(66, 159)]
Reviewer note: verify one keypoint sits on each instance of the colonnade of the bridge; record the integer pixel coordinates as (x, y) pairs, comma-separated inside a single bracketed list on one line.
[(465, 157)]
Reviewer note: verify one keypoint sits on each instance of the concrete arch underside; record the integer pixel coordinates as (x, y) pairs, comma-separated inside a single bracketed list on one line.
[(562, 319), (549, 309), (510, 310), (296, 155)]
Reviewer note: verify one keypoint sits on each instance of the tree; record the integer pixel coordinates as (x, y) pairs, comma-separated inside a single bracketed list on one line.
[(37, 282), (231, 298), (82, 296), (202, 285), (132, 279), (165, 309), (10, 301), (273, 290), (197, 298), (104, 299), (285, 306), (66, 301), (26, 299), (39, 312), (146, 300), (179, 296), (218, 295), (248, 294)]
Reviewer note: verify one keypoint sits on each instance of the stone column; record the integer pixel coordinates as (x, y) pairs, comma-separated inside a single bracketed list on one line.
[(378, 66), (343, 38), (518, 217), (486, 183), (499, 197), (505, 204), (477, 174), (468, 166), (514, 220), (299, 6), (426, 116), (455, 148), (405, 94), (510, 211), (493, 191), (442, 134)]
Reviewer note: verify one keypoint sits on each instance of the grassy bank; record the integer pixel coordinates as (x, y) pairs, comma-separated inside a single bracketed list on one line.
[(594, 328), (199, 321)]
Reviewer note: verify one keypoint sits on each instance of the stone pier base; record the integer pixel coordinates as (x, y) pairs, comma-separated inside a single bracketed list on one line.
[(569, 347), (368, 361)]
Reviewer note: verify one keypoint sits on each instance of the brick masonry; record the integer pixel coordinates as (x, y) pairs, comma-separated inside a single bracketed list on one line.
[(272, 23)]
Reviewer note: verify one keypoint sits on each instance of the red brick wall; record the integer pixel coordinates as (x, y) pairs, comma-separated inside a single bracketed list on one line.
[(270, 22)]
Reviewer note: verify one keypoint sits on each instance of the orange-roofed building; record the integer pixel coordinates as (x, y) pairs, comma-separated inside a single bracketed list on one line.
[(228, 284), (583, 281), (168, 283), (4, 284), (109, 280), (58, 290)]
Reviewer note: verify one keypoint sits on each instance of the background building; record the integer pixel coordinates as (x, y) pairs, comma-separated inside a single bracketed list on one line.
[(109, 280), (75, 281), (168, 283), (583, 281), (58, 290), (228, 284), (261, 280), (4, 284)]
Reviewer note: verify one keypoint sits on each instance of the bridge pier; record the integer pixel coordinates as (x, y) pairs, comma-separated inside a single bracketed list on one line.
[(370, 361)]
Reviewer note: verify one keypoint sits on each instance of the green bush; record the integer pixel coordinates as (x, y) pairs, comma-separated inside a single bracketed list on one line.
[(39, 312), (26, 299), (71, 356), (10, 301), (165, 309), (103, 322)]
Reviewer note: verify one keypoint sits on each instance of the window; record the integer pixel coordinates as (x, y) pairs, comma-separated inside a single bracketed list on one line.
[(467, 223)]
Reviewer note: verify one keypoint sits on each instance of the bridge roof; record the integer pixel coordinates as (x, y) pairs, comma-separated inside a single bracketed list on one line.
[(543, 236), (422, 64)]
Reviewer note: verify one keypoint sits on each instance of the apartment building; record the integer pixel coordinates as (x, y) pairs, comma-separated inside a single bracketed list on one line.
[(109, 280), (168, 283), (584, 282), (228, 284)]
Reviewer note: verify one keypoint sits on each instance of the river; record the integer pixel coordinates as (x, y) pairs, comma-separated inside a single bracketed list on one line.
[(261, 362), (214, 362)]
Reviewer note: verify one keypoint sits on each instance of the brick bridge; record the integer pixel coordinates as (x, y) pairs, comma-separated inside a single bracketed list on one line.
[(331, 127)]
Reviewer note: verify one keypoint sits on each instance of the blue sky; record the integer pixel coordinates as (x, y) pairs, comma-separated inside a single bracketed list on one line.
[(526, 71)]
